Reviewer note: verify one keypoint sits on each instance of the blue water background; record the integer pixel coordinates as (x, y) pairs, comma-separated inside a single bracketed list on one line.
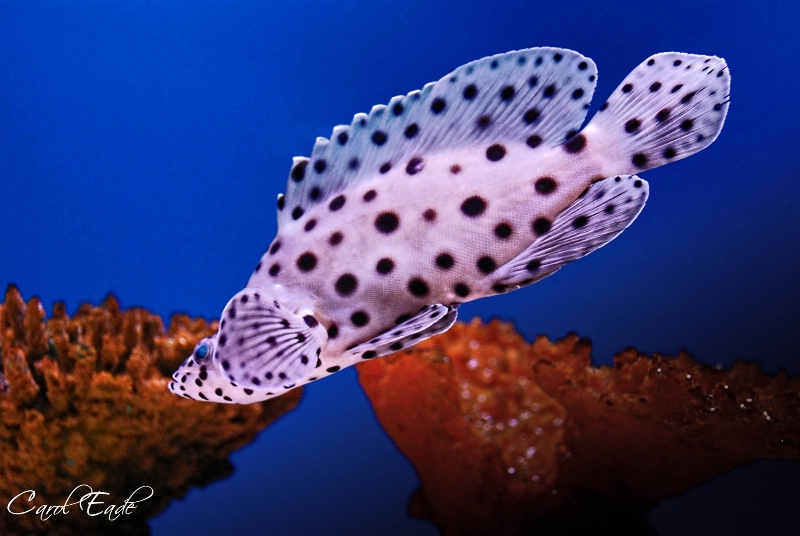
[(143, 143)]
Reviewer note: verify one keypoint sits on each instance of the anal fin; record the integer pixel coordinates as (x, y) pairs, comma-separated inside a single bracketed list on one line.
[(601, 213)]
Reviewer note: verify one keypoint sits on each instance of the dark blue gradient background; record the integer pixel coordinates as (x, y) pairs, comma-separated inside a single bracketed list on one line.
[(143, 143)]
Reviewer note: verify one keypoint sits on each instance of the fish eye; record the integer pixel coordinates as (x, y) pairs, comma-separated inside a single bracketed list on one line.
[(202, 350)]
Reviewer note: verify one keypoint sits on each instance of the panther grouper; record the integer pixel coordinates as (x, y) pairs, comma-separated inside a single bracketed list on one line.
[(478, 184)]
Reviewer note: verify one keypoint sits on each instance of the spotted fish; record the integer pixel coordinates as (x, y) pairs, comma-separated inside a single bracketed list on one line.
[(478, 184)]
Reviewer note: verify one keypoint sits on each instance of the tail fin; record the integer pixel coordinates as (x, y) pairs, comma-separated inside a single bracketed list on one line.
[(669, 107)]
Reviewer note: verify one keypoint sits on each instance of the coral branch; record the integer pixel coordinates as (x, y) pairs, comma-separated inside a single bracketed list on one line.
[(512, 438), (84, 400)]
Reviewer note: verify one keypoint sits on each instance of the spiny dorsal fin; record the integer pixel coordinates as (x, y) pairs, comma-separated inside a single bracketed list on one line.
[(602, 212), (263, 345), (670, 107), (538, 95)]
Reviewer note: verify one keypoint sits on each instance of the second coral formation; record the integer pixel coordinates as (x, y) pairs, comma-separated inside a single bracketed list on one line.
[(513, 438)]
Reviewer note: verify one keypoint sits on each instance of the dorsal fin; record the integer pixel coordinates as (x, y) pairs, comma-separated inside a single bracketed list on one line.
[(537, 94)]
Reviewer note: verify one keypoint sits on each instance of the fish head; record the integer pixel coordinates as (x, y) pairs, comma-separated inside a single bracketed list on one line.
[(268, 342), (198, 378)]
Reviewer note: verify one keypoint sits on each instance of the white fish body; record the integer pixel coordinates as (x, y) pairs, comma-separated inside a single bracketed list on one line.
[(478, 184)]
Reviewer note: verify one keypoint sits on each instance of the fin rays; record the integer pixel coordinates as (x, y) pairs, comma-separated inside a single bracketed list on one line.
[(670, 107), (605, 210), (507, 98), (428, 321), (265, 346)]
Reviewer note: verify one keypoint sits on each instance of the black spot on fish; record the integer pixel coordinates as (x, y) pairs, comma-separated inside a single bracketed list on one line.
[(461, 290), (387, 222), (632, 125), (495, 152), (384, 266), (486, 264), (541, 226), (379, 137), (531, 116), (576, 144), (346, 284), (503, 230), (359, 319), (418, 287), (470, 92), (639, 160), (299, 171), (473, 206), (545, 185), (415, 165), (444, 261), (306, 262), (337, 203), (336, 238)]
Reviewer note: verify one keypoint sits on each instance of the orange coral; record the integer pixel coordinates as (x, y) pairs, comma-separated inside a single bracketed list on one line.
[(513, 438), (85, 401)]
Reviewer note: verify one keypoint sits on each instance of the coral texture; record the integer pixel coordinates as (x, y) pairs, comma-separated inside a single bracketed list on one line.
[(516, 438), (84, 400)]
